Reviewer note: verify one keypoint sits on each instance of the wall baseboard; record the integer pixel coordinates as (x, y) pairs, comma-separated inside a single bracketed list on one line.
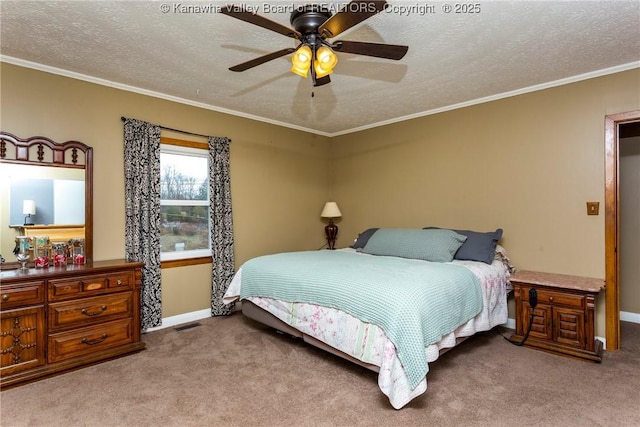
[(179, 319), (511, 323), (626, 316)]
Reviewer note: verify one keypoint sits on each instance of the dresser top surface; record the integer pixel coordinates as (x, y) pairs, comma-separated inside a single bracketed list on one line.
[(91, 267)]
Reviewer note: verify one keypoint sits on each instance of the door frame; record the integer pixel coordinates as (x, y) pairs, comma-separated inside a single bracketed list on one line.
[(612, 223)]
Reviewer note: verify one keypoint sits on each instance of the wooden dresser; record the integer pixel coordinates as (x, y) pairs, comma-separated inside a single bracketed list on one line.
[(563, 321), (62, 318)]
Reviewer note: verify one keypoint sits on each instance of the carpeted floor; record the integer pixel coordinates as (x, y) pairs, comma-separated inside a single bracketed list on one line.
[(234, 372)]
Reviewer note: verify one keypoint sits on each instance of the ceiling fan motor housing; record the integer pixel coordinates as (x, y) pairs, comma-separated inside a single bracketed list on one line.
[(307, 19)]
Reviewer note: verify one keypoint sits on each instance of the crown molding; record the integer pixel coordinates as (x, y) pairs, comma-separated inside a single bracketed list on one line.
[(134, 89)]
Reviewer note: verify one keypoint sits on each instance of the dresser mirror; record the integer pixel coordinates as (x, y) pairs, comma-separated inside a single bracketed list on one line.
[(46, 189)]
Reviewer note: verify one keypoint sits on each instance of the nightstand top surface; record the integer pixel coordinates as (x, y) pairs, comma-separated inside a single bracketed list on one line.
[(563, 281)]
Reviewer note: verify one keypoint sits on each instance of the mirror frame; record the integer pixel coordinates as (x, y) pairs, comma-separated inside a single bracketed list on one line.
[(57, 151)]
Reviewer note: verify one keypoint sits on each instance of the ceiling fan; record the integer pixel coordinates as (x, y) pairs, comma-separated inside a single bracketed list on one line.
[(312, 25)]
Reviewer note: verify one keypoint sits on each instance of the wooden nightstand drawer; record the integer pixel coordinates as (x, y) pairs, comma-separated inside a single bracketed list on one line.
[(556, 298), (21, 295), (89, 311), (84, 341), (569, 327)]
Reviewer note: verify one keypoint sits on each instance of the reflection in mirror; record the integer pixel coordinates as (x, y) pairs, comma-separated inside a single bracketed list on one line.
[(55, 195), (46, 184)]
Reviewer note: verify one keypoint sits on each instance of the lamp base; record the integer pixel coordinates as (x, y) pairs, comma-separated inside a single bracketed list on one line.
[(331, 230)]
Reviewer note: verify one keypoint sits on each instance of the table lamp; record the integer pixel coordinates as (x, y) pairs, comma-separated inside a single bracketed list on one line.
[(28, 209), (331, 210)]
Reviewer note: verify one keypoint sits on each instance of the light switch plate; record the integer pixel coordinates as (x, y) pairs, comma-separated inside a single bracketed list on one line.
[(593, 208)]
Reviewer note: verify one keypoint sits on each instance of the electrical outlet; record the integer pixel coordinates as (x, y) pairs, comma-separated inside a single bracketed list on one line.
[(593, 208)]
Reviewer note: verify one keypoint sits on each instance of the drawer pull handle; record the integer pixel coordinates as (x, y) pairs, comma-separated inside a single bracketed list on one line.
[(550, 298), (94, 313), (5, 297), (119, 282), (96, 341)]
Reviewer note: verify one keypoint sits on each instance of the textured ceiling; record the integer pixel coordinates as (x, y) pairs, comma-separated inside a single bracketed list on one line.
[(454, 59)]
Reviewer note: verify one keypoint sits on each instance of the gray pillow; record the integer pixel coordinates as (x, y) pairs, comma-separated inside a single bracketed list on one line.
[(478, 246), (363, 238), (430, 245)]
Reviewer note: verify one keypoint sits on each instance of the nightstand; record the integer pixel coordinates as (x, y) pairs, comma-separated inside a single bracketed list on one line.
[(563, 320)]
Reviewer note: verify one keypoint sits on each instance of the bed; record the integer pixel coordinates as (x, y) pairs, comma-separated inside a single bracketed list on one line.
[(393, 302)]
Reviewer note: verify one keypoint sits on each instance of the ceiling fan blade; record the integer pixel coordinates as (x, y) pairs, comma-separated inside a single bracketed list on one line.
[(353, 13), (239, 12), (379, 50), (261, 60)]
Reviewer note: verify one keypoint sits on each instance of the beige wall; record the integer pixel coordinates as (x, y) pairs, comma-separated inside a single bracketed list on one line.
[(630, 224), (278, 175), (526, 164)]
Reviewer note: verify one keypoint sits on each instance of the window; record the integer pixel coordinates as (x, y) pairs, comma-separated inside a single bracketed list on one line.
[(184, 201)]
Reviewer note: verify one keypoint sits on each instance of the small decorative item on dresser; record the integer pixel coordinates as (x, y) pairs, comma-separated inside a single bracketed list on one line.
[(42, 251), (23, 250), (76, 249), (59, 254)]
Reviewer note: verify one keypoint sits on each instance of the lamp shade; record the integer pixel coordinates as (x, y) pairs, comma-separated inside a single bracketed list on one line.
[(28, 207), (331, 210)]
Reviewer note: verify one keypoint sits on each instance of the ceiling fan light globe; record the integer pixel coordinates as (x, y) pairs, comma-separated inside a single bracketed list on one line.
[(326, 57), (320, 70), (301, 71), (301, 61), (302, 56)]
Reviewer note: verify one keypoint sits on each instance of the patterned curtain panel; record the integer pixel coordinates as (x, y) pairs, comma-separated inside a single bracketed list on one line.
[(142, 208), (221, 224)]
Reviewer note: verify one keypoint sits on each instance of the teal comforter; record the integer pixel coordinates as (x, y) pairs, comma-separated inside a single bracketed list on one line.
[(415, 302)]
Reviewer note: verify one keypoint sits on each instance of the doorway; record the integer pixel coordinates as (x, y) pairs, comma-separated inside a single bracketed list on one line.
[(613, 123)]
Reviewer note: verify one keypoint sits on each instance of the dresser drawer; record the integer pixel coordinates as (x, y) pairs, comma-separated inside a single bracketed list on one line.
[(89, 285), (80, 342), (90, 311), (555, 298), (24, 294), (119, 281)]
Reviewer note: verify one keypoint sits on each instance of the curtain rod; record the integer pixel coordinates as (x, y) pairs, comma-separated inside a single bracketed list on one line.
[(177, 130)]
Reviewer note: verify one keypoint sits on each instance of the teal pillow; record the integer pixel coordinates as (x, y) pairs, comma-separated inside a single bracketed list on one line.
[(429, 245)]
